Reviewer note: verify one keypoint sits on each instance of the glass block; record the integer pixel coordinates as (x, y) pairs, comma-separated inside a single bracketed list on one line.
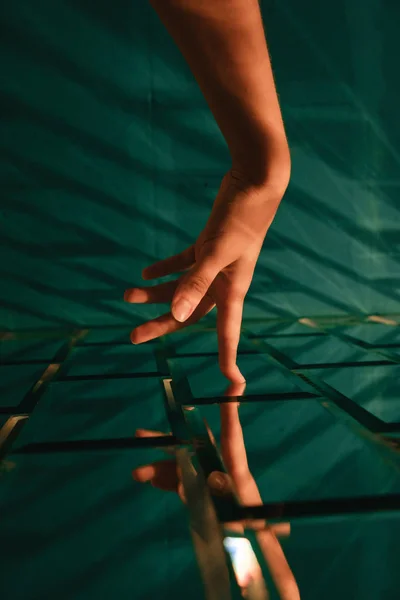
[(375, 333), (314, 350), (78, 526), (197, 342), (109, 336), (268, 329), (101, 410), (110, 360), (16, 380), (348, 558), (32, 349), (262, 375), (296, 451), (374, 388)]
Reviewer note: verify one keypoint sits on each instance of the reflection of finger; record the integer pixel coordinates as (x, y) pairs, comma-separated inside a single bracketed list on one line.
[(161, 473), (166, 477), (278, 566), (149, 433), (235, 389), (219, 483), (229, 319), (144, 473), (148, 295), (172, 264), (280, 529), (181, 492)]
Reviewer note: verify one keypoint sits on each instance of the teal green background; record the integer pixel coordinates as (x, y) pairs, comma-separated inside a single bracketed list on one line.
[(110, 160)]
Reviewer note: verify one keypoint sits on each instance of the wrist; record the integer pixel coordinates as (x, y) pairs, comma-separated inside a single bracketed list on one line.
[(266, 164)]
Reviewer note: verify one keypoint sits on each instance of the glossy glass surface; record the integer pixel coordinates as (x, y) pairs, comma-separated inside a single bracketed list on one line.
[(110, 161)]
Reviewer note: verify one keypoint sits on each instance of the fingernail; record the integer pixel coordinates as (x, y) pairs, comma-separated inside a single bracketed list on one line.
[(217, 481), (182, 310)]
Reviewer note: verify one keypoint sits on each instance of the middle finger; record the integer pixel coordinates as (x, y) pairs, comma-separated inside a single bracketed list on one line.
[(155, 294)]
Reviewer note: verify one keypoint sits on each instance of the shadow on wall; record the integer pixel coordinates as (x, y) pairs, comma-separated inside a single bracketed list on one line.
[(108, 147)]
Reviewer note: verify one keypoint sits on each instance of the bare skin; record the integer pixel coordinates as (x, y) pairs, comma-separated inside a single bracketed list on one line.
[(165, 475), (239, 88)]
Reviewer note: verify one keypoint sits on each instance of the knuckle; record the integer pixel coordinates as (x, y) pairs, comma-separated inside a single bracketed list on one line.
[(199, 284)]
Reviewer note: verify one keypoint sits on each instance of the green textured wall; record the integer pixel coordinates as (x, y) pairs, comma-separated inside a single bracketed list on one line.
[(110, 160)]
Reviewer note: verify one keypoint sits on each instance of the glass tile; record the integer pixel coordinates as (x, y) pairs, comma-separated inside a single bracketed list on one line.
[(110, 360), (374, 388), (72, 410), (16, 380), (314, 350), (78, 526), (296, 451)]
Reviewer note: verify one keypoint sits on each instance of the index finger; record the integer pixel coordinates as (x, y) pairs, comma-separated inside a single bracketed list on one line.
[(229, 321)]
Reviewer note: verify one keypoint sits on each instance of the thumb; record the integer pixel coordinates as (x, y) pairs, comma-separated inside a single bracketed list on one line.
[(193, 287), (219, 483)]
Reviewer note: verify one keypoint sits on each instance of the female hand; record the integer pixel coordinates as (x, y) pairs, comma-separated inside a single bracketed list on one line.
[(218, 268)]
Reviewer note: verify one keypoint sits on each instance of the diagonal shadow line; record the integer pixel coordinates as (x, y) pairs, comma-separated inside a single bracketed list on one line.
[(346, 403), (308, 433), (51, 176), (55, 484), (265, 305), (33, 45), (304, 33), (311, 345), (287, 242), (91, 237), (390, 345), (253, 398), (303, 131), (15, 306), (66, 294), (15, 358), (328, 507), (67, 529), (325, 213), (109, 20), (109, 376), (81, 582), (367, 392), (355, 341), (88, 269), (343, 365), (28, 43), (308, 291), (104, 444), (116, 367), (13, 107)]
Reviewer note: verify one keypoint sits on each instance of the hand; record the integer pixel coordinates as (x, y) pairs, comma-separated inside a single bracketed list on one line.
[(218, 269), (166, 476)]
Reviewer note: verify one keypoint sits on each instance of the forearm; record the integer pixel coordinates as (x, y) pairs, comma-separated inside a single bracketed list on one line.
[(224, 44)]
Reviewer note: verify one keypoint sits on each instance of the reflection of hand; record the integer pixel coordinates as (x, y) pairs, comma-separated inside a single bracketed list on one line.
[(166, 475), (220, 267)]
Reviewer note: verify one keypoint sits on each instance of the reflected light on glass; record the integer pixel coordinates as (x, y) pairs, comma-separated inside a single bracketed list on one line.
[(244, 561)]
